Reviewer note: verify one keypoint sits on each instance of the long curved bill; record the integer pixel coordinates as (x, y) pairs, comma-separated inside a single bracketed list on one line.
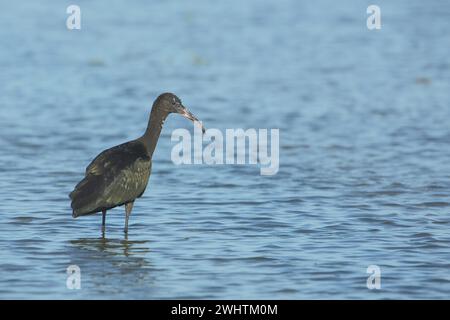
[(188, 115)]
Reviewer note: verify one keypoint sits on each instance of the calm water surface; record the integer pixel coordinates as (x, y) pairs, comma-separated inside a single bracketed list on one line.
[(364, 149)]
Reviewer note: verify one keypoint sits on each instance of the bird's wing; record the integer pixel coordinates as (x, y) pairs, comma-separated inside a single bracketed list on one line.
[(125, 171), (116, 176), (129, 184)]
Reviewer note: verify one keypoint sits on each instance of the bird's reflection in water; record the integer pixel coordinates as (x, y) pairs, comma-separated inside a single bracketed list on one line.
[(112, 246), (113, 265)]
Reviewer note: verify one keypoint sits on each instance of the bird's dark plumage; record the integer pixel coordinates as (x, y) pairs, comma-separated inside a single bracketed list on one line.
[(119, 175), (115, 177)]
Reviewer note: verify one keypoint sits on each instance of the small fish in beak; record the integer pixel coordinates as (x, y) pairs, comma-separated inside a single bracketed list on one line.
[(188, 115)]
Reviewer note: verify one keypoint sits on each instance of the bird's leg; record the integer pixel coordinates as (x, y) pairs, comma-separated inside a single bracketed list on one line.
[(103, 222), (128, 208), (103, 218)]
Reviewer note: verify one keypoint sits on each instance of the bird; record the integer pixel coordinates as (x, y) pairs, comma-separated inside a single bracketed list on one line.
[(119, 175)]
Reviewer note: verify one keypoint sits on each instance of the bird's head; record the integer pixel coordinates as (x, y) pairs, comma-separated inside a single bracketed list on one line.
[(170, 103)]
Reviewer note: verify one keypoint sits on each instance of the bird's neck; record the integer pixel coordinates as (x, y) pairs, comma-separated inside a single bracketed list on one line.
[(151, 135)]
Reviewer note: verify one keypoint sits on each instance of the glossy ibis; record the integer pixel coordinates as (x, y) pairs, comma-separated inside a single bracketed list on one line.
[(118, 176)]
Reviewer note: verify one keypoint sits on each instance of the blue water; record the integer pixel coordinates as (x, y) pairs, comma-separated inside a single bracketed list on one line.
[(364, 172)]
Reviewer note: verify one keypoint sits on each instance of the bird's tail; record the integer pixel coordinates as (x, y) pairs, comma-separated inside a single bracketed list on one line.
[(84, 197)]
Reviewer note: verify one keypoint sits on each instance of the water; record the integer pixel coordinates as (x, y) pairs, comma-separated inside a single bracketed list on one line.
[(364, 149)]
